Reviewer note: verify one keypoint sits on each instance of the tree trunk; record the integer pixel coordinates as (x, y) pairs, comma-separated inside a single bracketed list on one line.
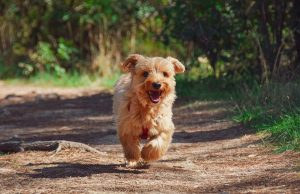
[(265, 43), (296, 13), (271, 49)]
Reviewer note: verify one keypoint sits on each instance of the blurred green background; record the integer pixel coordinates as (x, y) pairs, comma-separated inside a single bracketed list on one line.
[(245, 51)]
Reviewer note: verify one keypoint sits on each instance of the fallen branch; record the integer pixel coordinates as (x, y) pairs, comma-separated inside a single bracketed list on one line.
[(58, 145)]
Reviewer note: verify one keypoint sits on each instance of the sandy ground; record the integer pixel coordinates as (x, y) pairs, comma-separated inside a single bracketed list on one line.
[(209, 153)]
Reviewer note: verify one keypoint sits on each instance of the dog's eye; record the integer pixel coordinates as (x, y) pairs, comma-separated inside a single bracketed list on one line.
[(166, 74), (145, 74)]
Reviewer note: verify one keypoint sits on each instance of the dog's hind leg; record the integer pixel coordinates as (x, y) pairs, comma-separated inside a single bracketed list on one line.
[(157, 146), (131, 147)]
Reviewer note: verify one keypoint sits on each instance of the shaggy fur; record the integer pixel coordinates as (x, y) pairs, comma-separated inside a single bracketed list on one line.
[(142, 106)]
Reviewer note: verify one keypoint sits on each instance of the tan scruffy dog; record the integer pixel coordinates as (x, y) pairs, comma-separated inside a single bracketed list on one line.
[(142, 106)]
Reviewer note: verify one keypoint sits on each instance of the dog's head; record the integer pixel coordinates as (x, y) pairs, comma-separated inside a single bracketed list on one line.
[(152, 77)]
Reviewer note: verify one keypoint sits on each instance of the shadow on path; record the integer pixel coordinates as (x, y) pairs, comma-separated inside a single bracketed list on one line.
[(64, 170), (88, 119), (204, 136)]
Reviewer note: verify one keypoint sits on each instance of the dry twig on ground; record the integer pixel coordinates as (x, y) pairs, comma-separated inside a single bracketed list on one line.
[(56, 146)]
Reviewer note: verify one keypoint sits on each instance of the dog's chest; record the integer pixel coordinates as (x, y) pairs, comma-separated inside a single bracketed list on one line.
[(139, 117), (153, 118)]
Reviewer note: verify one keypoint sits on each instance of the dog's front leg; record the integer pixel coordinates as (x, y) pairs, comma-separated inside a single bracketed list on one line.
[(131, 147), (157, 146)]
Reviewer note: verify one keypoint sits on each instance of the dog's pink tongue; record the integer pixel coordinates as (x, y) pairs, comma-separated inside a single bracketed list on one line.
[(155, 96)]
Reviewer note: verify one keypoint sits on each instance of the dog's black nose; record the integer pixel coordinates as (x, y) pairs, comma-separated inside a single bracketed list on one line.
[(156, 85)]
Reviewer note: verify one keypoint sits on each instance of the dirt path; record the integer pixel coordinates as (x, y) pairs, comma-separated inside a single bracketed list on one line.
[(209, 153)]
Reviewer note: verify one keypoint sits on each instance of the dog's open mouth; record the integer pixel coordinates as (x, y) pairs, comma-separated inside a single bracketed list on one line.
[(154, 96)]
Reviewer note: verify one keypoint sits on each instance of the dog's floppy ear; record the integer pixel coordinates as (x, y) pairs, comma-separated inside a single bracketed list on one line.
[(178, 66), (130, 62)]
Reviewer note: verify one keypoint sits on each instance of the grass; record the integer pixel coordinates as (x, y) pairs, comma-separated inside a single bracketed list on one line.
[(273, 109), (66, 80), (204, 89), (283, 131)]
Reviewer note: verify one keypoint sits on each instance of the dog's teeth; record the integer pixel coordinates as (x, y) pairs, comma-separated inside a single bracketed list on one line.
[(154, 96)]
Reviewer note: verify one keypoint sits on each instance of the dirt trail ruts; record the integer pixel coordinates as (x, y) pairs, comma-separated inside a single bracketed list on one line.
[(209, 153)]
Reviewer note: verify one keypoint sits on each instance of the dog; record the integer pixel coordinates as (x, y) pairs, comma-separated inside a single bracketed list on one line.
[(142, 106)]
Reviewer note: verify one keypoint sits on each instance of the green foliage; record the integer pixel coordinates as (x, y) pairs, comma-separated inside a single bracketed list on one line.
[(93, 36), (285, 131), (109, 82), (44, 53), (208, 88), (66, 49), (249, 114), (72, 79), (273, 109), (64, 80)]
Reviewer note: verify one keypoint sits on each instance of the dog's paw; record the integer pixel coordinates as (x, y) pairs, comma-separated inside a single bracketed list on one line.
[(150, 153), (137, 165), (132, 164)]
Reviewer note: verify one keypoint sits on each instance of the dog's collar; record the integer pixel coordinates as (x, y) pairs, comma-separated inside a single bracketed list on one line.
[(128, 107), (145, 133)]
